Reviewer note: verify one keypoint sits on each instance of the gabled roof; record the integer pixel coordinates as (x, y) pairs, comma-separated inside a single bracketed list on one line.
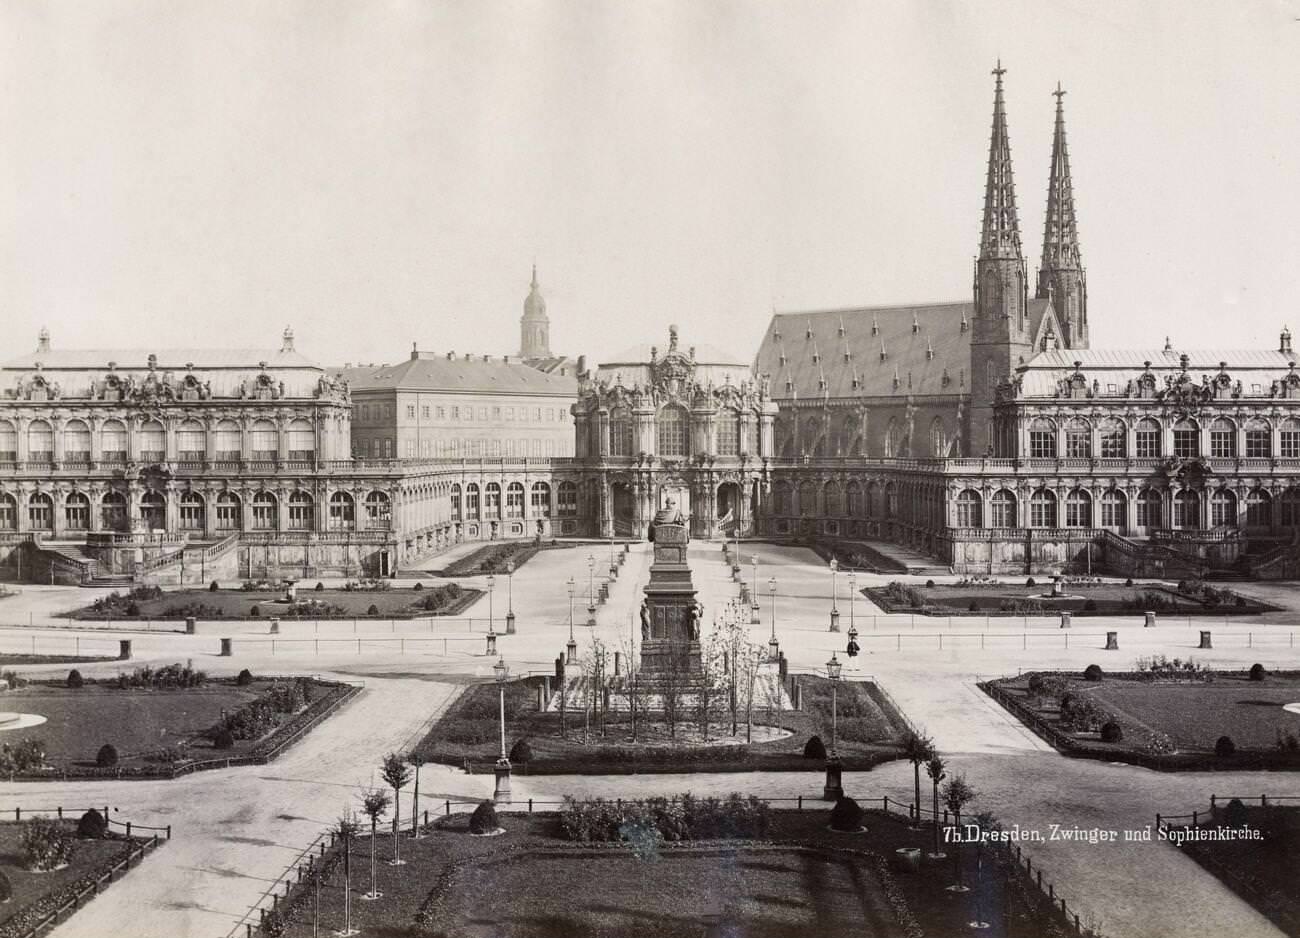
[(428, 372), (822, 353)]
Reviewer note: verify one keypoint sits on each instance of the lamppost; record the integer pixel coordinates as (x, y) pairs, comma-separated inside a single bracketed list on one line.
[(491, 585), (835, 612), (613, 567), (571, 649), (510, 597), (834, 788), (753, 607), (852, 649), (773, 646), (591, 591), (502, 768)]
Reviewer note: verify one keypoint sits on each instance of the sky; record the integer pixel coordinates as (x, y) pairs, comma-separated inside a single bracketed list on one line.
[(202, 174)]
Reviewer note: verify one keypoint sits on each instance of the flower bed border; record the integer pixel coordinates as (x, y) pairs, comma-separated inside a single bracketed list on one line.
[(876, 595), (468, 596)]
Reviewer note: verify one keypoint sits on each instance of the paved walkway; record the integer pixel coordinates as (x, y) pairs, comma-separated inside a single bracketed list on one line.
[(237, 830)]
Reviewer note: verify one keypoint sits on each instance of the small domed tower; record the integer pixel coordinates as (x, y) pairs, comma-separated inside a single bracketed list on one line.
[(534, 327)]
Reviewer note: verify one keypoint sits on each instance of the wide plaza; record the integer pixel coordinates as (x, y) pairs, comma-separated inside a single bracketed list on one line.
[(237, 830)]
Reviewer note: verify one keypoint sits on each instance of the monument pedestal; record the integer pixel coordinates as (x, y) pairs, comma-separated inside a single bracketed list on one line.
[(670, 615)]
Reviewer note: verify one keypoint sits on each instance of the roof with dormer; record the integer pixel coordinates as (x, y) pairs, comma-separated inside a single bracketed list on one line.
[(477, 374)]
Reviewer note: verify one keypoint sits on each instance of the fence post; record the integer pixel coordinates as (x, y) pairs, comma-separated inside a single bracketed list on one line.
[(447, 807), (801, 802), (530, 805), (60, 810), (128, 828)]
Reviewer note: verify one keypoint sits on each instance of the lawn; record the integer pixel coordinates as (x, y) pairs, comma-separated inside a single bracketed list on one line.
[(869, 730), (1193, 712), (1096, 599), (1262, 872), (37, 894), (151, 603), (802, 880)]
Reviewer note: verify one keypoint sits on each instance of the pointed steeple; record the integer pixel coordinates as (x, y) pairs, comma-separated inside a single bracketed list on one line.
[(1061, 276), (534, 326), (1001, 235)]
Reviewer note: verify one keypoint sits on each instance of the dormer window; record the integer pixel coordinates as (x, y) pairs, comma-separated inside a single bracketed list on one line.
[(821, 384), (789, 385), (856, 384), (782, 358), (816, 357), (848, 355), (808, 333)]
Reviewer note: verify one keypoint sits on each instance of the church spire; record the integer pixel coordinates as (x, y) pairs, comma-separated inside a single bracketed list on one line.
[(1060, 275), (534, 326), (1001, 235)]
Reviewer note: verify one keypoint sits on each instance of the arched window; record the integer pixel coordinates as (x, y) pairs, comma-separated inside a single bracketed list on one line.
[(1114, 510), (455, 502), (514, 500), (153, 442), (782, 498), (1150, 512), (76, 444), (857, 503), (807, 499), (40, 512), (1078, 509), (970, 509), (620, 432), (76, 512), (1002, 509), (379, 511), (1113, 439), (938, 438), (1146, 439), (1288, 438), (229, 512), (568, 499), (191, 442), (832, 500), (264, 441), (1078, 439), (8, 512), (728, 430), (302, 440), (193, 514), (541, 499), (893, 438), (1042, 509), (40, 442), (112, 512), (1187, 439), (1187, 510), (1223, 509), (1223, 439), (671, 431), (153, 511), (1042, 439), (8, 442), (1259, 440), (265, 509), (343, 511), (471, 502), (112, 442), (891, 500), (302, 510), (1291, 508), (1259, 509), (226, 446), (492, 500)]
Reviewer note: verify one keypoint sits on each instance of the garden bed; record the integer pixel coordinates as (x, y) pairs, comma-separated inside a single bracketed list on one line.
[(36, 896), (493, 558), (1174, 719), (798, 880), (1092, 599), (468, 734), (239, 604), (156, 732)]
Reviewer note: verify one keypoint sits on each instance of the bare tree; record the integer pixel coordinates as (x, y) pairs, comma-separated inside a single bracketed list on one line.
[(712, 682), (374, 805), (673, 682), (345, 828)]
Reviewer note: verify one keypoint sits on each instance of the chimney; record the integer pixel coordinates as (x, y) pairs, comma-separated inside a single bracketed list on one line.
[(1284, 346), (451, 356), (43, 340), (415, 351), (286, 344)]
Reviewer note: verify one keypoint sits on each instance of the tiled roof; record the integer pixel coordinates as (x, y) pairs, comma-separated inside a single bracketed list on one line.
[(1112, 369), (823, 353), (429, 372)]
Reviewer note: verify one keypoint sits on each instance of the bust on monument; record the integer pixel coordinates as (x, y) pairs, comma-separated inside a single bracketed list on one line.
[(669, 514)]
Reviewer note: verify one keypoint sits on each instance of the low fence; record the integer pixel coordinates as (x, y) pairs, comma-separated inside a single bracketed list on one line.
[(1214, 810)]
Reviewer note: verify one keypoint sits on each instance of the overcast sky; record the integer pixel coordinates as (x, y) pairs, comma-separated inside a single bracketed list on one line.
[(179, 173)]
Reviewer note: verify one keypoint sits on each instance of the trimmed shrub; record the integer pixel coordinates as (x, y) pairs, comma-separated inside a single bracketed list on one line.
[(1037, 683), (521, 752), (223, 739), (373, 610), (75, 679), (1159, 744), (973, 607), (1128, 582), (1031, 582), (1257, 672), (846, 815), (92, 825), (46, 844), (484, 819), (1090, 606), (1112, 732), (814, 748), (320, 587), (1235, 814), (929, 584), (255, 612), (418, 586), (106, 758), (1224, 747), (245, 678), (1092, 673), (213, 586)]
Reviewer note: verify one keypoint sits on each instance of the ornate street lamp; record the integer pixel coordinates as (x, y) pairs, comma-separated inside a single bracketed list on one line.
[(591, 591), (571, 649), (852, 649), (491, 585), (773, 646), (753, 608), (834, 788), (491, 642), (510, 597), (502, 768), (613, 567), (835, 612)]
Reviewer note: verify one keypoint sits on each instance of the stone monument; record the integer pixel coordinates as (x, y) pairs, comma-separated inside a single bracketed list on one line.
[(670, 614)]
